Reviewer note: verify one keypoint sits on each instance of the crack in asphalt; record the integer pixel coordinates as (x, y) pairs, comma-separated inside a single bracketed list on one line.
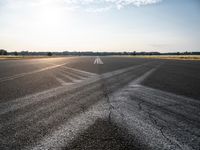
[(43, 119), (103, 88), (155, 122), (171, 126)]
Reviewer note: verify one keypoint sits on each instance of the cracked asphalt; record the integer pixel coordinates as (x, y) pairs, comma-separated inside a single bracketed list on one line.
[(125, 103)]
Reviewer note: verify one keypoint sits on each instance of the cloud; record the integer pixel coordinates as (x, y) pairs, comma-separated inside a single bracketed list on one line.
[(119, 4), (98, 10), (123, 3), (88, 5)]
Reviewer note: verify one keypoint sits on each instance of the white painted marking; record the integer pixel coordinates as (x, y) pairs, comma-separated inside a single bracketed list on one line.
[(98, 61), (29, 73), (62, 82), (143, 77), (124, 112), (131, 114), (73, 75), (68, 131), (80, 71), (70, 77), (95, 61), (34, 98)]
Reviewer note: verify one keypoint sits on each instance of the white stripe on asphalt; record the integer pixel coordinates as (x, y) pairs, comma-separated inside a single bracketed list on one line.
[(130, 112), (67, 132), (73, 75), (62, 82), (70, 130), (70, 77), (18, 103), (95, 61), (125, 113), (98, 61), (80, 71), (29, 73), (44, 69)]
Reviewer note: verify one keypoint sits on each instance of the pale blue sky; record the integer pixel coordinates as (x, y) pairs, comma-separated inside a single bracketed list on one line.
[(100, 25)]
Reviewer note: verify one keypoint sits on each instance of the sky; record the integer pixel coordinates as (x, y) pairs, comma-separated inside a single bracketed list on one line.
[(100, 25)]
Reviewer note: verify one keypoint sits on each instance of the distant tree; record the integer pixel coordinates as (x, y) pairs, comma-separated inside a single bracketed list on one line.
[(125, 53), (15, 53), (49, 54), (24, 53), (3, 52), (186, 53), (134, 53)]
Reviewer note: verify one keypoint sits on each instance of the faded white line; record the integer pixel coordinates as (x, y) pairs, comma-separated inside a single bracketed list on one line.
[(127, 114), (80, 71), (143, 77), (123, 114), (29, 73), (129, 111), (34, 98), (70, 77), (68, 131), (62, 82), (73, 75), (95, 61), (98, 61)]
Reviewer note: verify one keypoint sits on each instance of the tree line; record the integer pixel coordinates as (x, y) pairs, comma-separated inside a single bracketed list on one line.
[(90, 53)]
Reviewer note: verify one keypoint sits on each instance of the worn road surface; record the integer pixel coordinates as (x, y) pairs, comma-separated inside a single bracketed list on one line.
[(87, 103)]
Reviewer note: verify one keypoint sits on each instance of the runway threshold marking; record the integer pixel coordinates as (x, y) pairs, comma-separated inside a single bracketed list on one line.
[(98, 61)]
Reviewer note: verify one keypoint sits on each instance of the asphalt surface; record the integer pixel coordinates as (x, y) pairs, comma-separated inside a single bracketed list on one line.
[(124, 103)]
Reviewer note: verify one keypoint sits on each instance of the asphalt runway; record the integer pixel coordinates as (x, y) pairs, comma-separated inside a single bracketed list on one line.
[(99, 103)]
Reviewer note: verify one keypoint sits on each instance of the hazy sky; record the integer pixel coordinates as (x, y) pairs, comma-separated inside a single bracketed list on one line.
[(100, 25)]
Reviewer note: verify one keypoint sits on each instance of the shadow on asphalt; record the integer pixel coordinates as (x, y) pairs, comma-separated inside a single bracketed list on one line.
[(103, 135)]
